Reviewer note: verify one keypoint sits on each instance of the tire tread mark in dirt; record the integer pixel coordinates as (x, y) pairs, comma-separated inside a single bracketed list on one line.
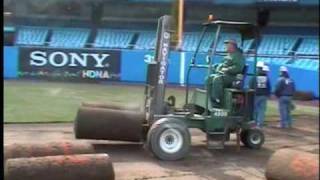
[(160, 177)]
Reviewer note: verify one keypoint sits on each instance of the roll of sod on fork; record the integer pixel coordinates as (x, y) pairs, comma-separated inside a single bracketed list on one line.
[(108, 124), (110, 106)]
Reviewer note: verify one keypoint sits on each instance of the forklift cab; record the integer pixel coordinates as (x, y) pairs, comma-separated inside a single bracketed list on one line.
[(237, 100)]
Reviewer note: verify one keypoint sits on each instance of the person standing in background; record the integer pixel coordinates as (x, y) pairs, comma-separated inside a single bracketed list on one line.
[(284, 90), (261, 84)]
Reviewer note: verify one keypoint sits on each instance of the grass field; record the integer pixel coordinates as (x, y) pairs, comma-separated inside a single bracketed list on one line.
[(27, 101)]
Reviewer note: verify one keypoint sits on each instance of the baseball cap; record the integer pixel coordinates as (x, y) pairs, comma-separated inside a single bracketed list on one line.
[(260, 64), (265, 68), (283, 69), (232, 41)]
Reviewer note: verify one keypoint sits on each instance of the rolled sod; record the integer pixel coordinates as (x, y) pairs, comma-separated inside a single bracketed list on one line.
[(110, 106), (19, 150), (292, 165), (108, 124), (63, 167)]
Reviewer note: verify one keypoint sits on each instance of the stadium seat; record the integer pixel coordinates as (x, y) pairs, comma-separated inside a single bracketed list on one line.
[(113, 38), (28, 35), (146, 40), (310, 64), (309, 46), (277, 44), (69, 37), (191, 39)]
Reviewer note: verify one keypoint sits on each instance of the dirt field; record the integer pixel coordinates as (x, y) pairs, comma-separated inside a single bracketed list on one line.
[(132, 162)]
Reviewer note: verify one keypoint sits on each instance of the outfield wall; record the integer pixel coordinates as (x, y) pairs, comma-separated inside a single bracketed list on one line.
[(121, 65), (10, 62)]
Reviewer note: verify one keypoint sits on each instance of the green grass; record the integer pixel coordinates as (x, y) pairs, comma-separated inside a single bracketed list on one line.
[(27, 101), (300, 110)]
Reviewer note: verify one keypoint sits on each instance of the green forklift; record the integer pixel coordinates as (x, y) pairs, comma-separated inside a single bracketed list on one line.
[(168, 136), (164, 128)]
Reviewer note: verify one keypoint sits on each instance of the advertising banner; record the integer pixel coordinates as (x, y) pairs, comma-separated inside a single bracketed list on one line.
[(10, 62), (69, 64), (134, 66)]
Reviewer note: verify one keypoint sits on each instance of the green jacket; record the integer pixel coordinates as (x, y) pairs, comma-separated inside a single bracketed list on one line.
[(234, 63)]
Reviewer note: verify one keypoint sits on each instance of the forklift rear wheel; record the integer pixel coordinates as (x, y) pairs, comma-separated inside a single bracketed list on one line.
[(243, 137), (169, 139), (252, 138)]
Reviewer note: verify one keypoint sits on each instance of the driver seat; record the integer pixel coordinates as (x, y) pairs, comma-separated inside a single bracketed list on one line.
[(239, 82)]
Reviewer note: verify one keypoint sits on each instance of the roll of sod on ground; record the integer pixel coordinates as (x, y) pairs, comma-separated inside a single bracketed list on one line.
[(110, 106), (292, 165), (18, 150), (69, 167), (108, 124)]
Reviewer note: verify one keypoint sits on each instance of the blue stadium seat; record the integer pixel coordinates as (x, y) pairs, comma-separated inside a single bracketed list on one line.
[(146, 40), (277, 44), (271, 60), (28, 35), (191, 39), (309, 46), (310, 64), (113, 38), (69, 37)]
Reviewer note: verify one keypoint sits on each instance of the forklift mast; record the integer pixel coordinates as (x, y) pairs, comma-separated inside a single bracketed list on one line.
[(157, 71)]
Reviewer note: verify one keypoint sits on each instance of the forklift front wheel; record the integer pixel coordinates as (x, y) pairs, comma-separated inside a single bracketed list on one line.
[(169, 139), (252, 138)]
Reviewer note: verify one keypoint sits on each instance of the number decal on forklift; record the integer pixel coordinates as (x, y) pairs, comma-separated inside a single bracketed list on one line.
[(221, 113)]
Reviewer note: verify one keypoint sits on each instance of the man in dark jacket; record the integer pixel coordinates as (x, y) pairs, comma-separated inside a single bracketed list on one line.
[(284, 90), (225, 73), (261, 84)]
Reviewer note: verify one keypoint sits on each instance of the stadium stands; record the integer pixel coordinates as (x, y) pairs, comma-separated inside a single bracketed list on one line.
[(113, 38), (107, 38), (303, 63), (274, 60), (31, 35), (69, 37), (9, 29), (191, 39), (310, 64), (309, 46), (277, 44), (146, 40)]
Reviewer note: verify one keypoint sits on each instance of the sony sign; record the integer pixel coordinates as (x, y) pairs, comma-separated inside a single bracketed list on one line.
[(69, 64), (71, 59)]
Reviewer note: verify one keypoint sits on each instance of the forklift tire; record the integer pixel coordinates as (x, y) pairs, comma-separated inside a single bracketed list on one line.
[(169, 139), (243, 136), (252, 138)]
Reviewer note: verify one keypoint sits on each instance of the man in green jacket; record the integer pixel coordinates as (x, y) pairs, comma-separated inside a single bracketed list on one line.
[(225, 73)]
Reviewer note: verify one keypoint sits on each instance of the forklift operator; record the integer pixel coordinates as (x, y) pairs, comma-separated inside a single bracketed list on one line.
[(225, 73)]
